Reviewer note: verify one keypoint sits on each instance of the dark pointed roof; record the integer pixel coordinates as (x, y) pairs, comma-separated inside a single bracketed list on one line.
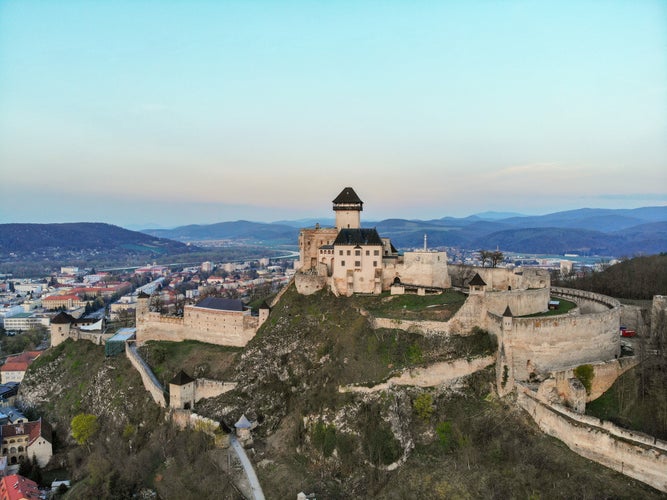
[(62, 318), (347, 200), (477, 280), (143, 295), (181, 378), (508, 312), (358, 237), (264, 305), (221, 304)]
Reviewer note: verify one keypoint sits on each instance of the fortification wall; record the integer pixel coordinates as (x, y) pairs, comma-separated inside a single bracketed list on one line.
[(557, 388), (147, 377), (500, 278), (427, 328), (471, 314), (208, 388), (433, 375), (658, 315), (422, 268), (631, 453), (307, 284), (521, 302), (205, 325), (554, 343), (588, 302)]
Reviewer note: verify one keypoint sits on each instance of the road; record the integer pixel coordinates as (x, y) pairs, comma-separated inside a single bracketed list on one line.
[(257, 492)]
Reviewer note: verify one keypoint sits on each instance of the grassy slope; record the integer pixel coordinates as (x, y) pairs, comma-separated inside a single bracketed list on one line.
[(135, 448), (314, 439)]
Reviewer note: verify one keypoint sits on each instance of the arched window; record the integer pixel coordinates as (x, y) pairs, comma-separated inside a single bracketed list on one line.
[(12, 449), (20, 449)]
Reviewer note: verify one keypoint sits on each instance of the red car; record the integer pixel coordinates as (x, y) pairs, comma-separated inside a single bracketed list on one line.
[(628, 333)]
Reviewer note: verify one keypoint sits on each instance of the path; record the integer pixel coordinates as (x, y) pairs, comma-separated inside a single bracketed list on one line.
[(257, 492)]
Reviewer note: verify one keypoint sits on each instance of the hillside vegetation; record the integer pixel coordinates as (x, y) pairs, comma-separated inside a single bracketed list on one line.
[(135, 447), (455, 441), (638, 278)]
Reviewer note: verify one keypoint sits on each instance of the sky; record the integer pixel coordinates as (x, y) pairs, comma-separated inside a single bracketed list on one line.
[(163, 113)]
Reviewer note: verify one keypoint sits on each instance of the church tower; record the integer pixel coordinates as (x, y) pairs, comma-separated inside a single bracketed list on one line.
[(348, 207)]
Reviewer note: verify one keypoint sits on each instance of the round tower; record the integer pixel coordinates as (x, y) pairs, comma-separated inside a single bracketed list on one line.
[(348, 207), (60, 328)]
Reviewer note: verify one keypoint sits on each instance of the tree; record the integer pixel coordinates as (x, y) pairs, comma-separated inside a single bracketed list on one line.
[(485, 256), (496, 258), (84, 427)]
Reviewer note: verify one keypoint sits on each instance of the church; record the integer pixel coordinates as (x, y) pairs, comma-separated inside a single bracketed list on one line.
[(351, 259)]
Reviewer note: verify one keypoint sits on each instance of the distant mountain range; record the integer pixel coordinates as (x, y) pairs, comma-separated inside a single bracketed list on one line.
[(81, 237), (586, 231)]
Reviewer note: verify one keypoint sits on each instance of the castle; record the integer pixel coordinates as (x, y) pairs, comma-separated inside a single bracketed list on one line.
[(352, 259)]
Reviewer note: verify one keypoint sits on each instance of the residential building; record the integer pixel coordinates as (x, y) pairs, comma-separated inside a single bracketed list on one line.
[(25, 440), (16, 487), (15, 366)]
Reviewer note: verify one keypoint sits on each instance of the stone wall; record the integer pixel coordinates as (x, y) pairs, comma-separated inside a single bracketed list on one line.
[(422, 268), (500, 278), (551, 343), (148, 378), (637, 455), (307, 284), (212, 326), (207, 388), (521, 302), (433, 375)]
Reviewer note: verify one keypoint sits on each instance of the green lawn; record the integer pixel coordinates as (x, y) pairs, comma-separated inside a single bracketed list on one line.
[(565, 307)]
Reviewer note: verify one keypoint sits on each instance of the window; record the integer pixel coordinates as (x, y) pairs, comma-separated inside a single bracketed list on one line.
[(357, 252), (375, 263), (342, 262), (368, 252), (376, 252), (348, 252), (357, 263), (340, 252)]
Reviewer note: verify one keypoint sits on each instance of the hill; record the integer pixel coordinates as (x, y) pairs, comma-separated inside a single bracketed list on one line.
[(249, 232), (37, 249), (640, 278), (404, 442), (81, 236), (610, 232)]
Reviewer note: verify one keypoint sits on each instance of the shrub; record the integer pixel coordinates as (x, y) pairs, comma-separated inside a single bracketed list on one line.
[(423, 406), (585, 374)]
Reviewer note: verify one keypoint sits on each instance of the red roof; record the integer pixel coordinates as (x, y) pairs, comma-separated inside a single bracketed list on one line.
[(17, 487), (34, 430), (20, 362), (61, 297)]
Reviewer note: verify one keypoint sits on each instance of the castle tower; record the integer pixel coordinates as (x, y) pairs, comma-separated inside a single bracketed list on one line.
[(182, 391), (60, 327), (505, 361), (348, 207)]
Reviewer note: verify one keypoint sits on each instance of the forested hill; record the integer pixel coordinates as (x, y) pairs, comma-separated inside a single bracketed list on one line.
[(638, 278), (22, 238)]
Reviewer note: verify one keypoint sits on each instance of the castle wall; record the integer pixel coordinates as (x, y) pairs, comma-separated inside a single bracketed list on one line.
[(212, 326), (147, 377), (437, 374), (631, 453), (310, 240), (500, 278), (604, 376), (207, 388), (521, 302), (308, 284), (553, 343), (422, 268)]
